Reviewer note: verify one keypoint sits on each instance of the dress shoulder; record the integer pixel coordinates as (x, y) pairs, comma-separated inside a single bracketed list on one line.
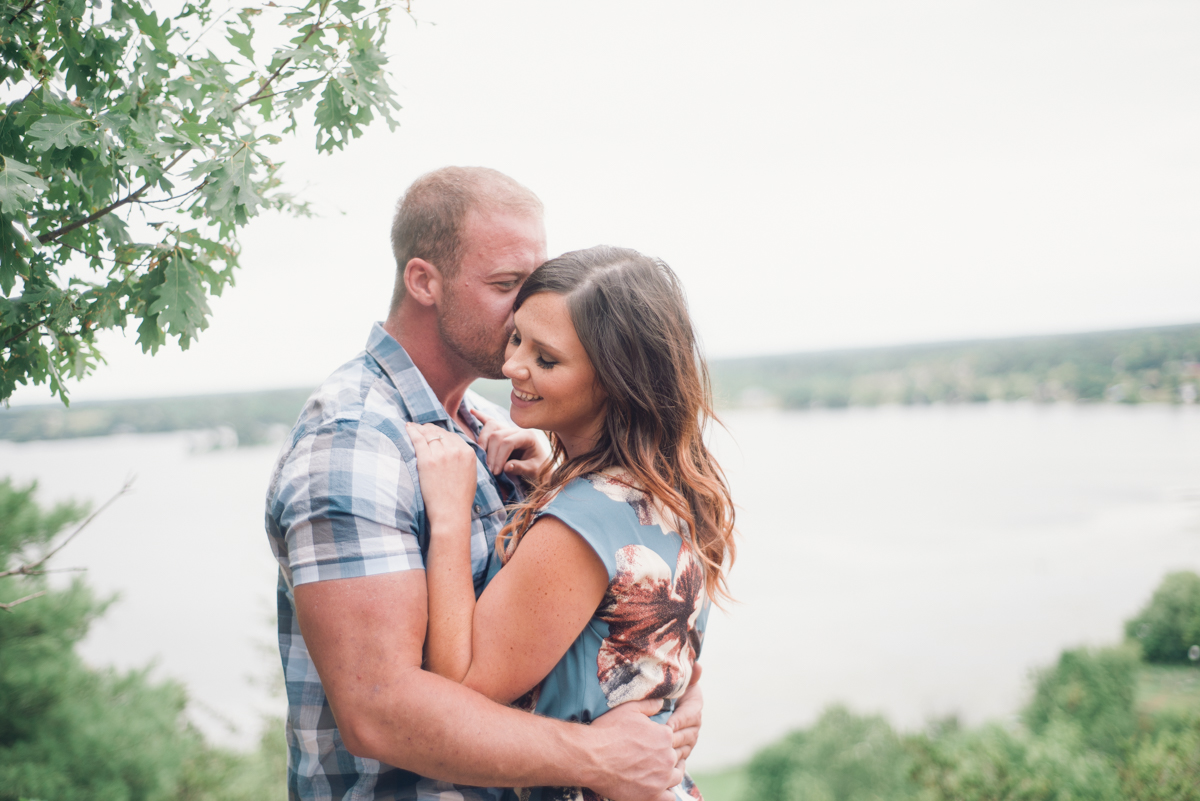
[(610, 512)]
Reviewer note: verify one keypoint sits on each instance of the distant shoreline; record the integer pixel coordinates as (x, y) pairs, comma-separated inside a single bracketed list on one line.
[(1147, 365)]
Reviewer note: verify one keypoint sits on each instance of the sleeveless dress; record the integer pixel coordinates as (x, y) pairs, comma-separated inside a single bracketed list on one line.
[(645, 637)]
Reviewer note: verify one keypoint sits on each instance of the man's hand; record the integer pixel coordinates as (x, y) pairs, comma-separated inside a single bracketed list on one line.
[(642, 749), (685, 720)]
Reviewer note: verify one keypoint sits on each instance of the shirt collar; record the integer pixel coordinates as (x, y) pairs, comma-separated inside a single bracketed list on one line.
[(419, 398), (422, 404)]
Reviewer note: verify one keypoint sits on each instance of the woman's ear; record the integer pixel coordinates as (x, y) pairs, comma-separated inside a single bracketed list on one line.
[(423, 282)]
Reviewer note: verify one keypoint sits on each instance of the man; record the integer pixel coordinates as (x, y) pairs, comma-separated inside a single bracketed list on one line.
[(346, 521)]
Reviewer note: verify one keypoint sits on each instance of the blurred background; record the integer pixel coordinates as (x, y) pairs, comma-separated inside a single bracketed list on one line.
[(943, 257)]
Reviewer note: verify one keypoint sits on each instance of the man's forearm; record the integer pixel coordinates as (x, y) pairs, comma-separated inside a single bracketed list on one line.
[(364, 636), (445, 731), (440, 729)]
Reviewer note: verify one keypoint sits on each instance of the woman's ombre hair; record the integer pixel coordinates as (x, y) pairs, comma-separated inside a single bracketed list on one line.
[(631, 316)]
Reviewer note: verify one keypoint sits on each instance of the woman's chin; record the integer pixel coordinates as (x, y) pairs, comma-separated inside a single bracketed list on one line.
[(522, 416)]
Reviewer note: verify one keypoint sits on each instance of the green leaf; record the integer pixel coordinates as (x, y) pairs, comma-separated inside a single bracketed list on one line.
[(180, 305), (60, 132), (195, 131), (19, 185), (241, 41), (122, 89)]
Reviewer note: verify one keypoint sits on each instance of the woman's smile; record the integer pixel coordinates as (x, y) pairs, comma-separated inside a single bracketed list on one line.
[(524, 397), (554, 383)]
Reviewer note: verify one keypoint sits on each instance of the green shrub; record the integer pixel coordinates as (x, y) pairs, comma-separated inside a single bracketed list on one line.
[(68, 731), (1170, 623), (993, 764), (843, 757), (212, 774), (1165, 767), (1094, 691)]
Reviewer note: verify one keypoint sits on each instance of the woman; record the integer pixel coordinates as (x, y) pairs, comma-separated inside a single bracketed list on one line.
[(609, 565)]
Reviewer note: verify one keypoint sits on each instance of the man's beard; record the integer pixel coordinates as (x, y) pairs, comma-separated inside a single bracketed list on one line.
[(474, 344)]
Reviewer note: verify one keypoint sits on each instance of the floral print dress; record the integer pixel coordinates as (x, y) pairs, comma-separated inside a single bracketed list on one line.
[(644, 639)]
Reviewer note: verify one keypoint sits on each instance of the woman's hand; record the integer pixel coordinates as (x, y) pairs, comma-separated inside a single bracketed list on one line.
[(446, 465), (517, 451)]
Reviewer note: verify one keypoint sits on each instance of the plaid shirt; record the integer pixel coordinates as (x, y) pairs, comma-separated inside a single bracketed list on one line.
[(345, 501)]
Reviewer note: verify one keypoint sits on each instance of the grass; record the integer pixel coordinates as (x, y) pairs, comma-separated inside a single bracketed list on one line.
[(724, 785), (1174, 688)]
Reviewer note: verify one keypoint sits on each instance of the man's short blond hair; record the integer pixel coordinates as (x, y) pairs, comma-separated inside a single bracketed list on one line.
[(430, 216)]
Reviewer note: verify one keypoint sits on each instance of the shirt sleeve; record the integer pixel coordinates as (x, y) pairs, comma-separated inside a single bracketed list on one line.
[(346, 505)]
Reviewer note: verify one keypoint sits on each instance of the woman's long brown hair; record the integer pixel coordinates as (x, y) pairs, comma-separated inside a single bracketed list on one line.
[(631, 316)]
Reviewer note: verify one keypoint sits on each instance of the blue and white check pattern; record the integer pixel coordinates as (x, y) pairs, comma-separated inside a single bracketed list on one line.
[(345, 501)]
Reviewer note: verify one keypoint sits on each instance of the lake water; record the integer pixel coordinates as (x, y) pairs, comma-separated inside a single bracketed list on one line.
[(916, 562)]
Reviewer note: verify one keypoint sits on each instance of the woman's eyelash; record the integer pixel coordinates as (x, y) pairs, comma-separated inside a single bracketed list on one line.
[(515, 340)]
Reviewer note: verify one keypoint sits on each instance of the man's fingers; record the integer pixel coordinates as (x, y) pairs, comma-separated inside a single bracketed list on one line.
[(648, 706), (685, 737), (684, 751)]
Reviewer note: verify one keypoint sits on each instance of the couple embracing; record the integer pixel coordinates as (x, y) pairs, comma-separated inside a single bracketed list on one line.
[(444, 573)]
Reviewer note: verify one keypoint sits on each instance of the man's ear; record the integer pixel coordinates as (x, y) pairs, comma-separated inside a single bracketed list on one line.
[(422, 282)]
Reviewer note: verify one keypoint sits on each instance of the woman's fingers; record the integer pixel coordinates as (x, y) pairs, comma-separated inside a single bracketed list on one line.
[(495, 440), (420, 442), (486, 438), (447, 468), (527, 469)]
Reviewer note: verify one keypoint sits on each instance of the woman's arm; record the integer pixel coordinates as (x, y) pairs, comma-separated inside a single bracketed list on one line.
[(447, 469), (530, 613), (533, 610)]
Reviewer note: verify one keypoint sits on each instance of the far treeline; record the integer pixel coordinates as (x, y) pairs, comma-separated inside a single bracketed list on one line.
[(1150, 365)]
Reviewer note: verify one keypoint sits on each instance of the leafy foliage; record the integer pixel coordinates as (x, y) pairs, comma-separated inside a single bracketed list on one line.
[(1166, 767), (992, 763), (1084, 738), (68, 731), (1170, 624), (843, 757), (132, 153), (1093, 691)]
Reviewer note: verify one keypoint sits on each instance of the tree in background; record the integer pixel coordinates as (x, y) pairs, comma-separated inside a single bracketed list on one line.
[(70, 731), (1101, 724), (1168, 629), (131, 153)]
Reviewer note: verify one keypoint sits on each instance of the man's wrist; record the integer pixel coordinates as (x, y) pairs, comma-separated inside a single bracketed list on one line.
[(586, 743)]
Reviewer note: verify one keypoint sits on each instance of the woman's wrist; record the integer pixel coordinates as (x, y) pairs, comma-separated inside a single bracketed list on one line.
[(449, 524)]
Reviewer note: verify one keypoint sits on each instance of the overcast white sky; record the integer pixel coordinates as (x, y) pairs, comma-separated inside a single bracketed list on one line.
[(821, 174)]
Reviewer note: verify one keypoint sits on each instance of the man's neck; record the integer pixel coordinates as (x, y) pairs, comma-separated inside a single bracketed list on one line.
[(447, 374)]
